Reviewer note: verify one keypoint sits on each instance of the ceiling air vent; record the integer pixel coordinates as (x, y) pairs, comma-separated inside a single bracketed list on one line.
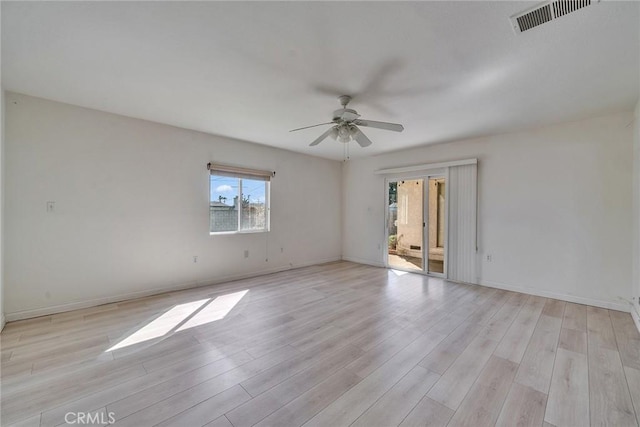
[(545, 12)]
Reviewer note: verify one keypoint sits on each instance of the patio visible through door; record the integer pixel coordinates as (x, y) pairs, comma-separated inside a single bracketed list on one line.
[(416, 224)]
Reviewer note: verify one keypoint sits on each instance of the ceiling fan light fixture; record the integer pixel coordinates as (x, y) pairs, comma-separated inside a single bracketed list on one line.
[(344, 133)]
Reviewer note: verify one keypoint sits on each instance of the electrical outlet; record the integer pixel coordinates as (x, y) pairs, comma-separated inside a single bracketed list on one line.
[(489, 258), (281, 250), (195, 259), (246, 253), (51, 207)]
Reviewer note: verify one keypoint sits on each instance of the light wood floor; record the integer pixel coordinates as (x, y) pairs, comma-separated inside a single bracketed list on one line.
[(332, 345)]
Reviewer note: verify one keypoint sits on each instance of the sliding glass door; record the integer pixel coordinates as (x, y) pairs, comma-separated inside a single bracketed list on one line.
[(416, 224), (436, 219), (405, 227)]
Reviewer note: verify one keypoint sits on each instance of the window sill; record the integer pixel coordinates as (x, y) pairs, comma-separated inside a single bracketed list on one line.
[(226, 233)]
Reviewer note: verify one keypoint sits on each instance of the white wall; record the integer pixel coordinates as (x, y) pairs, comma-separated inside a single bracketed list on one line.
[(636, 216), (554, 207), (131, 208), (2, 181)]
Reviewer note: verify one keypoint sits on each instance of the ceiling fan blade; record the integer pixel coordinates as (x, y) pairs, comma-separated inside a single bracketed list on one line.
[(312, 126), (361, 139), (330, 90), (380, 125), (322, 137)]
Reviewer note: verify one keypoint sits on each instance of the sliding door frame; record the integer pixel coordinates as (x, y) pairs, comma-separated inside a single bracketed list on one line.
[(444, 175), (440, 172)]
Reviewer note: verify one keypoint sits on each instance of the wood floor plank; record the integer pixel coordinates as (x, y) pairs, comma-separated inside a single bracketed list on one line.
[(158, 403), (448, 350), (488, 310), (268, 402), (627, 338), (458, 379), (208, 410), (573, 340), (481, 406), (402, 397), (568, 403), (220, 422), (498, 325), (123, 398), (310, 403), (609, 397), (575, 317), (64, 347), (378, 355), (28, 324), (348, 407), (623, 324), (193, 356), (5, 355), (537, 363), (29, 422), (93, 366), (280, 372), (372, 338), (31, 401), (599, 329), (554, 308), (515, 341), (428, 413), (633, 380), (523, 407), (332, 344), (255, 410)]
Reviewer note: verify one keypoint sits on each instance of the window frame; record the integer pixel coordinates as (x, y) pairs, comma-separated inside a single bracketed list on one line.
[(239, 230)]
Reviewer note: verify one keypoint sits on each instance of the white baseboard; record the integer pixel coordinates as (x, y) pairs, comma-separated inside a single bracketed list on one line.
[(2, 322), (612, 305), (45, 311), (363, 261), (636, 317)]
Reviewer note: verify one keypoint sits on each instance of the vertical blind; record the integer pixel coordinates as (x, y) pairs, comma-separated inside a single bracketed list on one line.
[(463, 195)]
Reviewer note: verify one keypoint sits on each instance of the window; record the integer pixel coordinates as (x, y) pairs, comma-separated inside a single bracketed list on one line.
[(239, 200)]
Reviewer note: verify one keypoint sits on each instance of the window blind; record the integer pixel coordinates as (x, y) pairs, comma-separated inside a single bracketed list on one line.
[(238, 172), (461, 264)]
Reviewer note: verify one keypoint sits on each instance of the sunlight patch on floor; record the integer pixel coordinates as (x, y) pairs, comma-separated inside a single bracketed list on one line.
[(216, 309), (398, 272), (183, 316)]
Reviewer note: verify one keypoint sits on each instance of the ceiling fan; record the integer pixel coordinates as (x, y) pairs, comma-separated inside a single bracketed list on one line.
[(346, 123)]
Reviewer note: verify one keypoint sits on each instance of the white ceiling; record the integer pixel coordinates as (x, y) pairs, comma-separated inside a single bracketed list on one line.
[(252, 71)]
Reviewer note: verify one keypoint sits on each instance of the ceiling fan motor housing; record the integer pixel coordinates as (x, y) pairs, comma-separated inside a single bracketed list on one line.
[(344, 100), (345, 114)]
